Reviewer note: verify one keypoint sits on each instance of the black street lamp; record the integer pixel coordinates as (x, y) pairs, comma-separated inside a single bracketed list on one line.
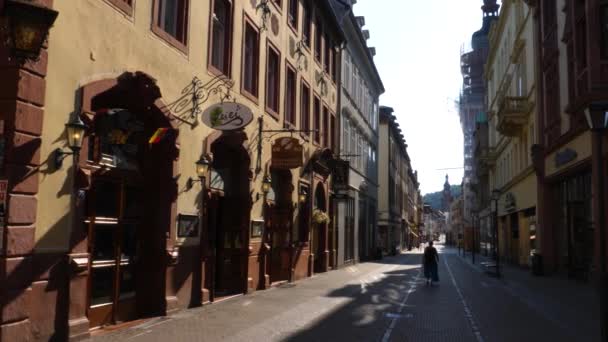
[(597, 119), (75, 130), (27, 25), (495, 198)]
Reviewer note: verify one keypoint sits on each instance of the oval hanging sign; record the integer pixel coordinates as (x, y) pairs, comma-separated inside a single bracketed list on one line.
[(227, 116)]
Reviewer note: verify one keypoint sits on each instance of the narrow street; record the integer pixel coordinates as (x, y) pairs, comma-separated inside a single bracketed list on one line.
[(382, 301)]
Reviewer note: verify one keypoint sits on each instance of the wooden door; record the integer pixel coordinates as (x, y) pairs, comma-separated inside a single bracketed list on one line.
[(280, 243), (113, 220), (229, 243)]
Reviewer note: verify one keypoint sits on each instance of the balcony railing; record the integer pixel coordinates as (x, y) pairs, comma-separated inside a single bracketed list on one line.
[(513, 113)]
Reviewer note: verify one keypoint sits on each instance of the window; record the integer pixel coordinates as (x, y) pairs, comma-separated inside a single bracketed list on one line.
[(325, 126), (305, 108), (318, 35), (221, 19), (307, 23), (251, 55), (124, 5), (171, 21), (345, 137), (292, 14), (332, 130), (273, 76), (334, 63), (327, 56), (290, 96), (317, 119)]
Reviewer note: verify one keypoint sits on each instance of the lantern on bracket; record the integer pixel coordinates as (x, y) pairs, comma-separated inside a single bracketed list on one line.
[(27, 26)]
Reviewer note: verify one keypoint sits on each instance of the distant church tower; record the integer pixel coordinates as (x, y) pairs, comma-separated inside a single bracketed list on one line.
[(447, 195)]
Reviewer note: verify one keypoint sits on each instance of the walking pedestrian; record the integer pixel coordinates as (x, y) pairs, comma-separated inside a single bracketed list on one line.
[(431, 262)]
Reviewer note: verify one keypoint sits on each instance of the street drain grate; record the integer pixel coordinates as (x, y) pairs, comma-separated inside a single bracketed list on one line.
[(286, 286)]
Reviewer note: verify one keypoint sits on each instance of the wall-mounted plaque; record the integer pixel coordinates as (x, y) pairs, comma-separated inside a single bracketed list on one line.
[(187, 226), (257, 228)]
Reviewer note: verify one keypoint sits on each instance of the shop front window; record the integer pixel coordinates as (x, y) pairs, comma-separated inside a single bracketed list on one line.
[(117, 136)]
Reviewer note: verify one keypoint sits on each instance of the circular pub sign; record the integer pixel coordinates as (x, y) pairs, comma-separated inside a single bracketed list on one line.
[(227, 116)]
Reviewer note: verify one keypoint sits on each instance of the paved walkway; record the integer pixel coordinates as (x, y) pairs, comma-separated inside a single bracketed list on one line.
[(388, 301)]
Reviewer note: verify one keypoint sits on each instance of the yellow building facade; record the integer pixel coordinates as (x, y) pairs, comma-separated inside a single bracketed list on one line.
[(511, 97), (128, 229)]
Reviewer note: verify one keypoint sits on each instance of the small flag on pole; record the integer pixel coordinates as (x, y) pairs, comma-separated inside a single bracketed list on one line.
[(158, 136)]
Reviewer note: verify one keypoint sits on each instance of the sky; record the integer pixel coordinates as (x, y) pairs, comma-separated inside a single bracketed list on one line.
[(418, 57)]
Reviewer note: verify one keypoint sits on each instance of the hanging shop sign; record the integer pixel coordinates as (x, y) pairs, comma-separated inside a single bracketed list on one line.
[(287, 153), (340, 172), (227, 116)]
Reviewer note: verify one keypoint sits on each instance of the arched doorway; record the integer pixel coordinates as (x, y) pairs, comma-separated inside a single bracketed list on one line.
[(128, 199), (319, 234), (228, 217), (279, 223)]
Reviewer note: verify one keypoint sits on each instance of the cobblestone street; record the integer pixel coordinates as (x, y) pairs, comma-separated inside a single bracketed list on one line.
[(389, 301)]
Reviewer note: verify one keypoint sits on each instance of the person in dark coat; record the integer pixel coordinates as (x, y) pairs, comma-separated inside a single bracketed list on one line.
[(431, 261)]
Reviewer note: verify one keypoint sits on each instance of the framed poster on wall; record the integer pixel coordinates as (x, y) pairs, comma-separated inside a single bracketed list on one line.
[(187, 226), (257, 228)]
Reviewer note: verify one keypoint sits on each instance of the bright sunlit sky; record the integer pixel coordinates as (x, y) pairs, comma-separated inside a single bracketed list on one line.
[(418, 56)]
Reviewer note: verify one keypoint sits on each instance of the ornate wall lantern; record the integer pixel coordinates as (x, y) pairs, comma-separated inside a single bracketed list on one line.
[(302, 196), (27, 25), (266, 184), (202, 167), (75, 130)]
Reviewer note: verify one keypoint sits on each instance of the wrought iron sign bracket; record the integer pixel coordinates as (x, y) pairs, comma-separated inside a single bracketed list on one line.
[(261, 131), (187, 107)]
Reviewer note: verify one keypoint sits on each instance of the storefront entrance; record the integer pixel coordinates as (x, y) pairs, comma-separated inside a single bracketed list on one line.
[(319, 234), (228, 217), (576, 234), (113, 222), (227, 246), (279, 217), (127, 213)]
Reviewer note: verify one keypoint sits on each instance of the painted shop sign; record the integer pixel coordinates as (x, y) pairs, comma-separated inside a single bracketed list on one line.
[(227, 116), (287, 153), (340, 173), (564, 157)]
